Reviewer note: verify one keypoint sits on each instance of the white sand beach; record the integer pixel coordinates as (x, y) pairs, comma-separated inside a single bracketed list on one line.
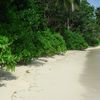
[(50, 78)]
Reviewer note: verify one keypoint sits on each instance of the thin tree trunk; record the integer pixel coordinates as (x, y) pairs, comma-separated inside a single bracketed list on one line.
[(72, 8), (68, 23)]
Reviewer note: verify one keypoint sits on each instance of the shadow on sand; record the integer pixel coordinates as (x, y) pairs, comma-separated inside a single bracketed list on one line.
[(90, 77), (7, 75)]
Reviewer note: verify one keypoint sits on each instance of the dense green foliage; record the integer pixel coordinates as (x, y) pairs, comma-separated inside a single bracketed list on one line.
[(29, 37), (98, 15), (92, 39), (6, 58), (35, 28), (84, 21), (74, 41), (48, 43), (98, 22)]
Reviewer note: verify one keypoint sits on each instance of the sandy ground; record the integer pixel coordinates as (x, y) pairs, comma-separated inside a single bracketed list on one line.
[(51, 78)]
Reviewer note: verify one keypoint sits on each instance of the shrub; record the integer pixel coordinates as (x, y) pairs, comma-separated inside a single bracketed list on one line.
[(48, 43), (92, 39), (74, 41), (23, 46), (29, 45), (7, 60)]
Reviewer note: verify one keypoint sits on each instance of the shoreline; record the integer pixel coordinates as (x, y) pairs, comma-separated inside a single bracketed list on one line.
[(93, 48), (50, 78)]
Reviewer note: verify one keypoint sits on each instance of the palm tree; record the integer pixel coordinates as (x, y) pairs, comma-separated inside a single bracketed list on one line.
[(70, 6)]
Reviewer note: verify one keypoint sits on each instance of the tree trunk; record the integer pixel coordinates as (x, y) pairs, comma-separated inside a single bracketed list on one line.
[(68, 23)]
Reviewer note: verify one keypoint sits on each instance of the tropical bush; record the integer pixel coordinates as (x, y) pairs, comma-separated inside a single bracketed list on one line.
[(48, 43), (74, 40), (92, 39), (7, 60)]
